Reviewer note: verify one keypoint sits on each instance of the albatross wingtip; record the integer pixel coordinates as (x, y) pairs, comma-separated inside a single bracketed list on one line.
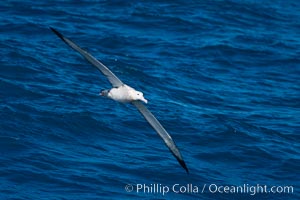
[(57, 33), (182, 163)]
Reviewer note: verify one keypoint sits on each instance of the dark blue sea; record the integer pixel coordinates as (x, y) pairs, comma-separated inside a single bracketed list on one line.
[(223, 78)]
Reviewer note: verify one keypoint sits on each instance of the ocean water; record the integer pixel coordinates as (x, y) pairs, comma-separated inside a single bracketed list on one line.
[(223, 77)]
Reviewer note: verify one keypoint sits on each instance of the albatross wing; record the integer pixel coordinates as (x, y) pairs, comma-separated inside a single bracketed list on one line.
[(113, 79), (161, 132)]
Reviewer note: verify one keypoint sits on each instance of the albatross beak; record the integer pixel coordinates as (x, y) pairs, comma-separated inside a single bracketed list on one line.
[(144, 100)]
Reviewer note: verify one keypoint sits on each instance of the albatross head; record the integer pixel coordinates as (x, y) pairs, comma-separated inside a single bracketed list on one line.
[(139, 96)]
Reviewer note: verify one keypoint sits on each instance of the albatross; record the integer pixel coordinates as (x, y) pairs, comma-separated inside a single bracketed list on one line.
[(121, 92)]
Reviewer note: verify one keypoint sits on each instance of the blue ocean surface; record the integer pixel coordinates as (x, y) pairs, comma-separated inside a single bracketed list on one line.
[(223, 78)]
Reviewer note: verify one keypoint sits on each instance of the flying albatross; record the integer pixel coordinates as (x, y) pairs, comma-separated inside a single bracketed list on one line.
[(125, 94)]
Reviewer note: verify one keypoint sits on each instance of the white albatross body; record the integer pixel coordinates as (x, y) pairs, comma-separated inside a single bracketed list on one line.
[(126, 94)]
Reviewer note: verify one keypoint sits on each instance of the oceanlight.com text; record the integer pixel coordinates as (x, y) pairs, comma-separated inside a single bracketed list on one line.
[(157, 188)]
